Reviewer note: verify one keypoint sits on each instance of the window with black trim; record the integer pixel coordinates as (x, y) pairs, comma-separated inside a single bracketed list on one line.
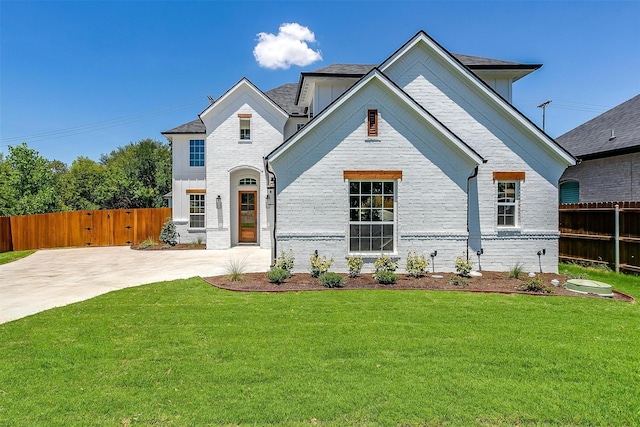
[(372, 123), (247, 181), (371, 216)]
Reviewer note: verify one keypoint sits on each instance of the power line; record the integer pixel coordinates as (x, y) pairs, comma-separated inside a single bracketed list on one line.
[(101, 125)]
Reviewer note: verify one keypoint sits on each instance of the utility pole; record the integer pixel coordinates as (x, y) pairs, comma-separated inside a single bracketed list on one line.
[(544, 111)]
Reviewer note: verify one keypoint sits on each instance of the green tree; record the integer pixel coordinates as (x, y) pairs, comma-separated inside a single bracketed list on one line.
[(8, 195), (33, 181), (137, 176), (78, 186)]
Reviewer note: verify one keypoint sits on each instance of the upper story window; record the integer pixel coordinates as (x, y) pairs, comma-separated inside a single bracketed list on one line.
[(245, 127), (508, 204), (372, 123), (247, 181), (196, 152)]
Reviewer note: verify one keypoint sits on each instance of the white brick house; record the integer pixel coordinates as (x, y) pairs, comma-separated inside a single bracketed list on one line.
[(423, 152)]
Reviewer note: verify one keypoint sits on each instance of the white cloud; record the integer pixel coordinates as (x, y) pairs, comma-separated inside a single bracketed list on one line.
[(289, 47)]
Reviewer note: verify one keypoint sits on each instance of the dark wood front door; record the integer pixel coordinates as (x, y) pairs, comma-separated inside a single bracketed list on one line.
[(247, 217)]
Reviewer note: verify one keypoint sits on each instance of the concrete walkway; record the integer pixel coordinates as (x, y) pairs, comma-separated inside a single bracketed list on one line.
[(57, 277)]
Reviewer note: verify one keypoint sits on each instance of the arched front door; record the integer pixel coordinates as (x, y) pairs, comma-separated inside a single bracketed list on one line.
[(248, 217)]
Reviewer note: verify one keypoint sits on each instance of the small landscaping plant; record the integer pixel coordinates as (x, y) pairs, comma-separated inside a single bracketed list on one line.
[(332, 280), (463, 266), (384, 263), (285, 261), (319, 265), (355, 265), (278, 275), (169, 234), (235, 269), (458, 281), (516, 271), (535, 284), (148, 243), (416, 264), (386, 277)]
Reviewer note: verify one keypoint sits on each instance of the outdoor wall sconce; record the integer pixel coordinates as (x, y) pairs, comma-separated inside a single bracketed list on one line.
[(479, 253), (433, 264), (218, 202)]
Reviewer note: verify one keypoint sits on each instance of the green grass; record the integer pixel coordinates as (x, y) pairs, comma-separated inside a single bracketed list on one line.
[(6, 257), (184, 353)]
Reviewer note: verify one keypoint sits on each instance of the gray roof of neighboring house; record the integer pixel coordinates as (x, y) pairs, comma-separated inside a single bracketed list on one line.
[(594, 139)]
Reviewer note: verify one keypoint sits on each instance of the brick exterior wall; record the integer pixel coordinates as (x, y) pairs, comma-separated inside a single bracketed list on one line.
[(609, 179)]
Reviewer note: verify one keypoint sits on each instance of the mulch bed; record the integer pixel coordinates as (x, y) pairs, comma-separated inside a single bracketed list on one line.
[(490, 282)]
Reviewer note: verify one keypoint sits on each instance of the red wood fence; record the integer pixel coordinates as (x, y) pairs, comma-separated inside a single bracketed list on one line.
[(82, 228), (587, 233)]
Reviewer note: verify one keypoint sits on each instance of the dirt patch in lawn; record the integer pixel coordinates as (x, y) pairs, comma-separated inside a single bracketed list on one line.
[(491, 281)]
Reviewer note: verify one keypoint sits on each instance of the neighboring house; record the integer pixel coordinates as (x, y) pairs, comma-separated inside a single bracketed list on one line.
[(423, 152), (608, 152)]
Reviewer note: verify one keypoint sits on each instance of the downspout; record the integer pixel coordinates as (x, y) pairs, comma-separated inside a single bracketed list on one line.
[(274, 249), (473, 175)]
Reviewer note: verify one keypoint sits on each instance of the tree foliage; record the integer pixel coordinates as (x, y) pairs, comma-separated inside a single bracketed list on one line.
[(134, 176)]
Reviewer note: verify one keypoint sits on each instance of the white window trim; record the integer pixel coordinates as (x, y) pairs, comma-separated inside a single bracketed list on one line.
[(515, 204), (372, 253), (202, 214), (204, 160), (248, 120)]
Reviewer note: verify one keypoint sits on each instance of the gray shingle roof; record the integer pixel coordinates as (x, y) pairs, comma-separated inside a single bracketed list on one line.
[(195, 126), (593, 138), (285, 97)]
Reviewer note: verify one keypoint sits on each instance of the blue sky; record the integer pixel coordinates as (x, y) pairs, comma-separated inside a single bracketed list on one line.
[(82, 78)]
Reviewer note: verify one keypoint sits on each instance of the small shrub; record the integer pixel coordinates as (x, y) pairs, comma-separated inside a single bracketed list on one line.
[(235, 269), (285, 261), (384, 263), (463, 266), (199, 240), (458, 281), (319, 265), (516, 271), (168, 234), (332, 280), (278, 275), (386, 277), (355, 265), (535, 284), (416, 264), (145, 244)]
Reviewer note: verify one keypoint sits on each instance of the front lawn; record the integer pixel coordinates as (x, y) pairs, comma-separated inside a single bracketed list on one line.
[(6, 257), (185, 353)]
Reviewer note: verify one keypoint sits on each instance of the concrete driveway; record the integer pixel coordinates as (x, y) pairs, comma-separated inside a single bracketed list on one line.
[(57, 277)]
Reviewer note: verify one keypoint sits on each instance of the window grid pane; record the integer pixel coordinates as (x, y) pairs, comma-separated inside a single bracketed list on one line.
[(196, 152), (507, 205), (196, 210), (371, 216)]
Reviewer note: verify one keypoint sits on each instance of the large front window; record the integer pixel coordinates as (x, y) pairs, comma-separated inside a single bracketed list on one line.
[(196, 210), (508, 198), (371, 216)]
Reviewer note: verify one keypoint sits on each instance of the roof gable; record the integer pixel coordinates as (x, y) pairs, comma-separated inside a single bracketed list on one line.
[(376, 75), (613, 132), (244, 85), (483, 90)]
